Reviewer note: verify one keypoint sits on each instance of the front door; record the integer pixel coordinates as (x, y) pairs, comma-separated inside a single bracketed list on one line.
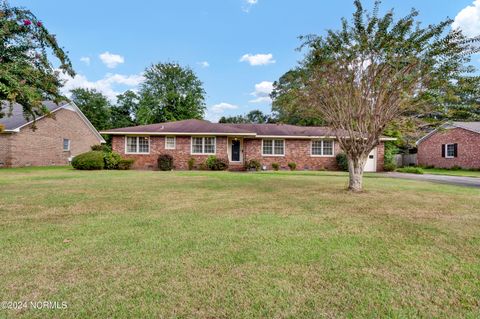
[(235, 150)]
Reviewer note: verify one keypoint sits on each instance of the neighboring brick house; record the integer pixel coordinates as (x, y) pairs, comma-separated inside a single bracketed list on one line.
[(54, 141), (452, 144), (311, 148)]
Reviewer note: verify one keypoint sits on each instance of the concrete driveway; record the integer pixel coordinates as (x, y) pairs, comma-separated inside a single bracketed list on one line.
[(444, 179)]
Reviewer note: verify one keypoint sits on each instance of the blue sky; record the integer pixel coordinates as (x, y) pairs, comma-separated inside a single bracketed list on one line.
[(111, 42)]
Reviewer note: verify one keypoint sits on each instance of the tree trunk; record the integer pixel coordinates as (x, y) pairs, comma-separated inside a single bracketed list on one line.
[(355, 170)]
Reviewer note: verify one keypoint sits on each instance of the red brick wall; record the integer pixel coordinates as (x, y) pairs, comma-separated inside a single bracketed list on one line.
[(430, 149), (380, 156), (5, 159), (181, 154), (296, 150), (44, 146)]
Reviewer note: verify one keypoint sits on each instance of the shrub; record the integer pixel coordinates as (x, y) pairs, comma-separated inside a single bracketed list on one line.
[(342, 161), (253, 165), (111, 160), (292, 166), (92, 160), (165, 162), (389, 167), (191, 163), (456, 168), (275, 166), (101, 147), (216, 164), (411, 170), (125, 163)]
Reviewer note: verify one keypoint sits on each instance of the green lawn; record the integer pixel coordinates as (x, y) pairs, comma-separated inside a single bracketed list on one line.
[(139, 244), (460, 172)]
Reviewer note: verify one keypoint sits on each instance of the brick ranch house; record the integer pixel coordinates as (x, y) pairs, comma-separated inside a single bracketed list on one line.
[(55, 141), (452, 144), (311, 148)]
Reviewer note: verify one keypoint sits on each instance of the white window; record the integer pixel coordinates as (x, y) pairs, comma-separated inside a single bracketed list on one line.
[(273, 147), (322, 148), (66, 144), (450, 150), (170, 142), (137, 145), (203, 145)]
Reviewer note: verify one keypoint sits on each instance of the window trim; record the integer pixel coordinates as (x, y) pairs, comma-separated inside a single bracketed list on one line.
[(203, 145), (446, 150), (273, 146), (322, 155), (69, 144), (138, 145), (174, 142)]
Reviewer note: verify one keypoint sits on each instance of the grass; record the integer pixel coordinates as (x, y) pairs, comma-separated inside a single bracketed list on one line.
[(459, 172), (115, 244), (410, 169)]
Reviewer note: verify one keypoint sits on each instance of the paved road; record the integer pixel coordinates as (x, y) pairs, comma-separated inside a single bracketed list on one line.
[(444, 179)]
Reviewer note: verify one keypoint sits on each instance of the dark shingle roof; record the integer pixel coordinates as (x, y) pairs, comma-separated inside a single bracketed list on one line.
[(16, 118), (201, 127)]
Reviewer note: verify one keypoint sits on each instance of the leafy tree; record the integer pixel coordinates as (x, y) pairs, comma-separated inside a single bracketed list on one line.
[(374, 70), (285, 100), (94, 105), (123, 113), (254, 116), (236, 119), (170, 92), (26, 74)]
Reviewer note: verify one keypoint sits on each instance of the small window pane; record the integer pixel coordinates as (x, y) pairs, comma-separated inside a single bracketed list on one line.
[(316, 147), (278, 147), (327, 147), (197, 145), (267, 147), (450, 150), (143, 144), (170, 142), (209, 145), (131, 144), (66, 144)]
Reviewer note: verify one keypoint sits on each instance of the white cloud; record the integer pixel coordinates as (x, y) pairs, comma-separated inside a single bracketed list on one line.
[(111, 60), (248, 4), (262, 92), (204, 64), (221, 107), (214, 112), (258, 59), (85, 59), (107, 85), (468, 20)]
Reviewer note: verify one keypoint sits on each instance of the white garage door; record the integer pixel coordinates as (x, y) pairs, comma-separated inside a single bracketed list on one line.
[(371, 164)]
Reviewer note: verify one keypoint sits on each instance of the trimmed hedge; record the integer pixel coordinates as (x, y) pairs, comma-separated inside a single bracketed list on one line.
[(111, 160), (165, 162), (342, 161), (253, 165), (125, 163), (216, 164), (92, 160)]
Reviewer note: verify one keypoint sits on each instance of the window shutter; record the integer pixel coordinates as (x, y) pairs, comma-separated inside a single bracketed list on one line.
[(443, 150), (455, 147)]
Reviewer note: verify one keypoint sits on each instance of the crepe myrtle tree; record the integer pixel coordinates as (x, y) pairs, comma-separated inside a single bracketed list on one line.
[(374, 70), (26, 74)]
